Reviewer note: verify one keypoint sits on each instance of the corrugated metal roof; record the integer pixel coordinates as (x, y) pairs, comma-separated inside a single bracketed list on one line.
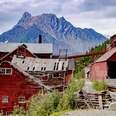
[(107, 55), (32, 47), (36, 64)]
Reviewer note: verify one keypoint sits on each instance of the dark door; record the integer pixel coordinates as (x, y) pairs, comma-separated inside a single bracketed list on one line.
[(112, 69)]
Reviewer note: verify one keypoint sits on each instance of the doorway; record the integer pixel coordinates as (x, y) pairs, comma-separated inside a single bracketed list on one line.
[(112, 69)]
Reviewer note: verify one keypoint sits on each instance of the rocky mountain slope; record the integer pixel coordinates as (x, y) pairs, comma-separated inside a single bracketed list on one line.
[(54, 30)]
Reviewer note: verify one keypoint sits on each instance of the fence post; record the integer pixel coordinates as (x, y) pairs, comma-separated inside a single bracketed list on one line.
[(100, 101)]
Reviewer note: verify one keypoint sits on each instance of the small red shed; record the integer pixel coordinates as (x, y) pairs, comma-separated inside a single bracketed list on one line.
[(105, 66)]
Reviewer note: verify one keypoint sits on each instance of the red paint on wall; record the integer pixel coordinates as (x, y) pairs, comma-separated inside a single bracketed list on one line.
[(68, 77), (14, 86), (98, 71), (17, 84)]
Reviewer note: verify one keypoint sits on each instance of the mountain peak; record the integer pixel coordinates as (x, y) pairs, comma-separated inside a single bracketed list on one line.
[(26, 14), (62, 18), (25, 17), (54, 30)]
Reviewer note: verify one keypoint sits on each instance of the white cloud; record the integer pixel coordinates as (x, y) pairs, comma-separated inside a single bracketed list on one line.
[(84, 13)]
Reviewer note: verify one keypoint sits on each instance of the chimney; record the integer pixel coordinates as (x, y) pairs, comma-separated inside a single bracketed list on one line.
[(40, 39)]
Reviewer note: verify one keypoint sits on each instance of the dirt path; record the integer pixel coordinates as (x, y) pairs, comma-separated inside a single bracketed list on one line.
[(91, 113)]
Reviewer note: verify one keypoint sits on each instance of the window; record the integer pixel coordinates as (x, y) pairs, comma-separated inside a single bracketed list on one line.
[(27, 68), (55, 66), (56, 75), (63, 66), (20, 56), (4, 99), (8, 71), (44, 68), (5, 71), (33, 68), (2, 71), (41, 68), (21, 99), (23, 62)]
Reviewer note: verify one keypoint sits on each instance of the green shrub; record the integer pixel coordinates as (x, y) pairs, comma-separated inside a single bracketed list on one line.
[(57, 113), (52, 102), (80, 65), (99, 85), (68, 99), (44, 105), (19, 111)]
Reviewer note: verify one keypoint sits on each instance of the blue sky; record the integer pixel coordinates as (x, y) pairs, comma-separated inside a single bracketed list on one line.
[(97, 14)]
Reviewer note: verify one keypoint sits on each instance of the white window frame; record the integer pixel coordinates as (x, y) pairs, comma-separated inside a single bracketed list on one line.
[(3, 71), (5, 99)]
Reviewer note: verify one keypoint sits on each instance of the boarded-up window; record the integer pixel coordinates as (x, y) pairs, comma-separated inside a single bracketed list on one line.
[(33, 68), (4, 99), (44, 68), (23, 62), (41, 68), (63, 66), (57, 66), (21, 99), (27, 68)]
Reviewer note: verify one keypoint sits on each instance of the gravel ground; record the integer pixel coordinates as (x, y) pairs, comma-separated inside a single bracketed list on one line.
[(91, 113)]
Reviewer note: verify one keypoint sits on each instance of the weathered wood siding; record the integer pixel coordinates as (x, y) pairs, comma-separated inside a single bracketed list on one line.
[(13, 86), (98, 71)]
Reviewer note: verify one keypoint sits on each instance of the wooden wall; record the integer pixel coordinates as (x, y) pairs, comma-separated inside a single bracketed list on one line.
[(15, 85)]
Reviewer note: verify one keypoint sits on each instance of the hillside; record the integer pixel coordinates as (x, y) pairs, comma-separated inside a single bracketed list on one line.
[(85, 61), (54, 30)]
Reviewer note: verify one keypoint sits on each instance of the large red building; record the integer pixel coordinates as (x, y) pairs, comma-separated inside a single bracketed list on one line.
[(104, 68), (15, 86), (23, 74)]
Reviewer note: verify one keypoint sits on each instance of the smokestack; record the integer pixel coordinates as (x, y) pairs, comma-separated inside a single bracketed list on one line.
[(40, 39)]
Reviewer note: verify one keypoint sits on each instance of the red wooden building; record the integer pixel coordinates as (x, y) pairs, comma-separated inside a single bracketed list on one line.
[(16, 86), (23, 74), (105, 66)]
